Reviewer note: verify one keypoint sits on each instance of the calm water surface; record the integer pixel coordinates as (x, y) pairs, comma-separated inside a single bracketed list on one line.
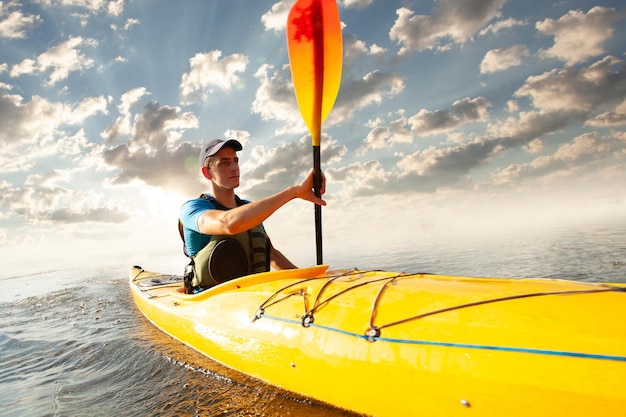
[(72, 342)]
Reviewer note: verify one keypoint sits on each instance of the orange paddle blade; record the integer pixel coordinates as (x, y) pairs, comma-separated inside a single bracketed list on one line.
[(315, 53)]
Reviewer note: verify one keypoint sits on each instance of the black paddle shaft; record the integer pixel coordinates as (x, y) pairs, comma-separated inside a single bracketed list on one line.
[(317, 186)]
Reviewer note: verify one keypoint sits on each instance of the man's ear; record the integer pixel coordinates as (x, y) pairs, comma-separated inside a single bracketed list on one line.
[(207, 173)]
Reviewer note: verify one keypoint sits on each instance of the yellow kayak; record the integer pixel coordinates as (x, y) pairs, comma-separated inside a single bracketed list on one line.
[(394, 344)]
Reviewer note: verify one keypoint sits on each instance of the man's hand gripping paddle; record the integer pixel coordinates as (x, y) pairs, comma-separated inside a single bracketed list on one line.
[(315, 54)]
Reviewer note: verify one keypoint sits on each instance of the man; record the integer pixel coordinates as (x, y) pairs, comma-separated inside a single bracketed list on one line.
[(224, 235)]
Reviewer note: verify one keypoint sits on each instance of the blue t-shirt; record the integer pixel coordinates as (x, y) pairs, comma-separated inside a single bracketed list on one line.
[(190, 213)]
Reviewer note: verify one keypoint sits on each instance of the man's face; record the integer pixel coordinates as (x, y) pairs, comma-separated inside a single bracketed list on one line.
[(224, 169)]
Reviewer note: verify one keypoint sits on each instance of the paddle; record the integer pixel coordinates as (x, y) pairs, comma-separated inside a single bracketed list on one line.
[(315, 54)]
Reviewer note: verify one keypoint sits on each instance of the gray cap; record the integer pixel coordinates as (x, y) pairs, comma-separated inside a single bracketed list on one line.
[(215, 145)]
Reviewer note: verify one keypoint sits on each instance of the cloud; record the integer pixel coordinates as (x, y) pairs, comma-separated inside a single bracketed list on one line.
[(356, 94), (503, 58), (530, 125), (40, 201), (452, 22), (381, 136), (115, 7), (571, 158), (122, 125), (426, 122), (561, 97), (534, 146), (62, 59), (88, 107), (615, 117), (276, 18), (209, 70), (571, 89), (359, 4), (361, 178), (354, 49), (38, 123), (130, 22), (153, 155), (423, 171), (578, 36), (275, 98), (501, 25), (270, 170), (15, 24), (111, 7)]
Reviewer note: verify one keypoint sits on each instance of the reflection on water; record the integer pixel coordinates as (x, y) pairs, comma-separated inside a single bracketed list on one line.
[(87, 351), (72, 342)]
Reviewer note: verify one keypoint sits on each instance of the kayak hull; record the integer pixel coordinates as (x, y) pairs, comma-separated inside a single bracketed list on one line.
[(389, 344)]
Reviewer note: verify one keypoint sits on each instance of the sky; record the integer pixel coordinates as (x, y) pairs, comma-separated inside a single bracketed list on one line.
[(474, 115)]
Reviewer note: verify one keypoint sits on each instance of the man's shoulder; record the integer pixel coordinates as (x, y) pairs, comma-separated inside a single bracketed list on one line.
[(197, 204)]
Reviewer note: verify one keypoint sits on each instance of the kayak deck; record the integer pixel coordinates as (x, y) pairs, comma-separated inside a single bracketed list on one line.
[(438, 345)]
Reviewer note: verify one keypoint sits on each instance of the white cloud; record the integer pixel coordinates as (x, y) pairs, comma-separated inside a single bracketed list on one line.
[(111, 7), (570, 159), (616, 117), (580, 90), (578, 36), (15, 24), (74, 146), (275, 98), (379, 137), (276, 18), (39, 201), (122, 125), (115, 7), (240, 135), (356, 52), (427, 122), (372, 88), (501, 25), (269, 170), (353, 48), (209, 70), (36, 129), (359, 4), (88, 107), (154, 155), (130, 22), (377, 50), (534, 146), (466, 110), (37, 120), (62, 59), (452, 22), (503, 58)]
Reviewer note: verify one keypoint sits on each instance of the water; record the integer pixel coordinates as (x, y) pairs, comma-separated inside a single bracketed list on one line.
[(72, 342)]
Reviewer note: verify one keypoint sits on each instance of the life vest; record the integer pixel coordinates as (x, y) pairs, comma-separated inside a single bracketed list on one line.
[(226, 257)]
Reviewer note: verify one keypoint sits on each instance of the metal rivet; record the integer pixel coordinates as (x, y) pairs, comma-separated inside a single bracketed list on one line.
[(465, 403), (293, 365)]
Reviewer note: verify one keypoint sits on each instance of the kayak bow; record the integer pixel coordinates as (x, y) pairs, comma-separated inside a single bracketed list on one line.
[(389, 344)]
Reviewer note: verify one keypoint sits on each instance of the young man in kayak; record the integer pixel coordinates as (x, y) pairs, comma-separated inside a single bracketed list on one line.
[(223, 234)]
